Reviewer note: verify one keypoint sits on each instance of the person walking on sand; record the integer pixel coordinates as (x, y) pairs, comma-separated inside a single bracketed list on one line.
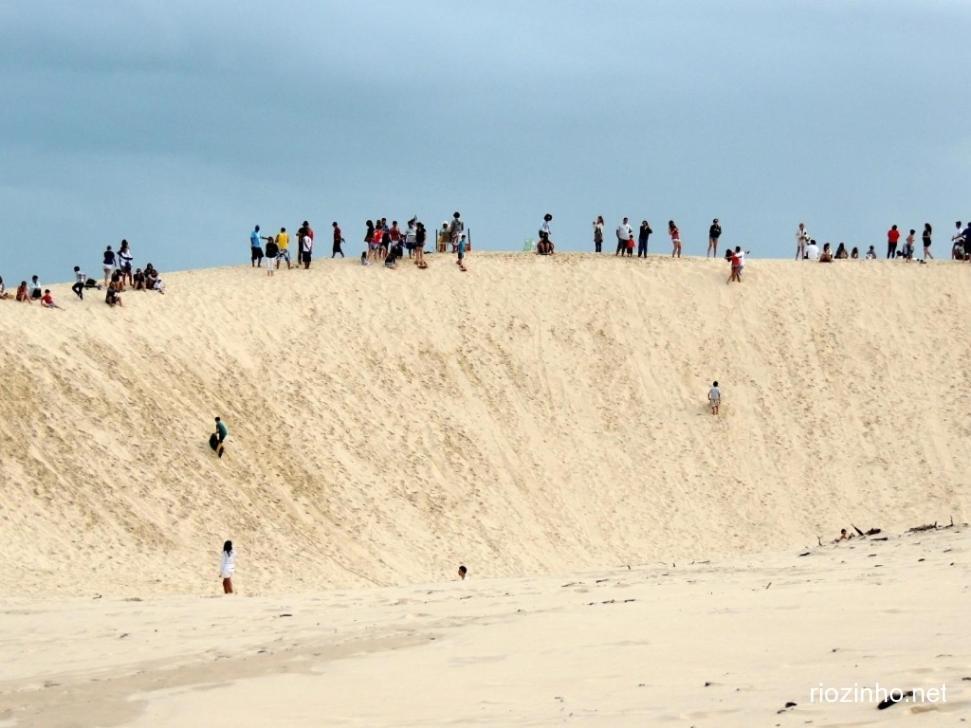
[(893, 235), (675, 239), (598, 234), (643, 238), (338, 240), (802, 240), (79, 280), (714, 232), (456, 230), (255, 248), (221, 434), (108, 264), (283, 247), (125, 259), (714, 398), (461, 253), (227, 567), (926, 239), (736, 263)]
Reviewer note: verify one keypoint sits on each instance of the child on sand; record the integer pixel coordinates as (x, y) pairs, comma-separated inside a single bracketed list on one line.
[(714, 398), (461, 253), (736, 274), (463, 572), (228, 566), (47, 300)]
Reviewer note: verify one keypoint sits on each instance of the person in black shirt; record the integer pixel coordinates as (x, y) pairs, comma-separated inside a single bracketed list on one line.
[(714, 232), (926, 239), (643, 236)]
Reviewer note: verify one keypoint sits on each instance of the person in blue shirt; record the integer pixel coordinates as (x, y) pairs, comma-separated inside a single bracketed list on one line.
[(256, 248)]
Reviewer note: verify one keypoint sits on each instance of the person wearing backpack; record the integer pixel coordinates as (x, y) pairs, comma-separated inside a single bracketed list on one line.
[(598, 234)]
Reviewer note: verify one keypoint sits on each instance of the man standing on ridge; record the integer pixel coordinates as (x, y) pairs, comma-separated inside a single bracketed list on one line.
[(283, 247), (714, 232), (624, 234), (256, 248), (893, 235), (338, 239), (802, 240)]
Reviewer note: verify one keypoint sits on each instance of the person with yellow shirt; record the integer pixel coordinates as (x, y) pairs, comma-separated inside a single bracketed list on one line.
[(283, 247)]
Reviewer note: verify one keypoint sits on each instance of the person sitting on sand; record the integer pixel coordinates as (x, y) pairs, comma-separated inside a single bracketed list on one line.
[(227, 566), (47, 300), (463, 572), (841, 253), (139, 280), (3, 290), (827, 255), (871, 253), (855, 253), (111, 295), (714, 398), (812, 251), (22, 294)]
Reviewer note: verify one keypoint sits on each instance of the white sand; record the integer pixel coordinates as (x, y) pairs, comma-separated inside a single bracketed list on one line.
[(533, 416), (606, 648)]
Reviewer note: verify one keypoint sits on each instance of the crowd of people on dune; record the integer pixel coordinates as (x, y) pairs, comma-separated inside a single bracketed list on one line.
[(119, 275), (383, 243), (390, 244)]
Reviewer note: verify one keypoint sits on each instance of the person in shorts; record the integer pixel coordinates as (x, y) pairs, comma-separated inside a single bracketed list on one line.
[(714, 398), (108, 264), (283, 247), (255, 248)]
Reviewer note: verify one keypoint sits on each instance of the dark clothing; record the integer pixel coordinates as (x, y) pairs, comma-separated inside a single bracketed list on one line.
[(715, 231), (256, 255), (643, 238), (891, 250), (78, 289)]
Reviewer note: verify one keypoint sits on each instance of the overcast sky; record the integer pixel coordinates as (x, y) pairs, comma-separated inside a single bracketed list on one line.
[(178, 124)]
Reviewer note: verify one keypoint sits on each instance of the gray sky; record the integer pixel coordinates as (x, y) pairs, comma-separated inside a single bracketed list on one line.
[(178, 125)]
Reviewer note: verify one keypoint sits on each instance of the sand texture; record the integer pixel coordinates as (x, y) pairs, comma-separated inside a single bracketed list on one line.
[(534, 415)]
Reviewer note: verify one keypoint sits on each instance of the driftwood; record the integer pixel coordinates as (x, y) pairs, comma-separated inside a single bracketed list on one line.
[(931, 527)]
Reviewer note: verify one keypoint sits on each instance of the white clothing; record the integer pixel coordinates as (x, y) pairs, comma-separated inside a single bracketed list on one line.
[(802, 236), (545, 228), (714, 395), (228, 565), (625, 231), (812, 252)]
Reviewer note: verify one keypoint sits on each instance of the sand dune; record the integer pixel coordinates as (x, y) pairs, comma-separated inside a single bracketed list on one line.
[(530, 416)]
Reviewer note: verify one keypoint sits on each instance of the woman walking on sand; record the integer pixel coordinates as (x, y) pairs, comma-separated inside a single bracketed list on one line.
[(926, 239), (675, 239), (228, 567), (598, 234)]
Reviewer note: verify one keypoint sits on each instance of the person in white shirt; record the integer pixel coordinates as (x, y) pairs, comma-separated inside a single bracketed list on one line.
[(79, 280), (802, 239), (714, 398), (812, 251), (228, 567), (624, 233)]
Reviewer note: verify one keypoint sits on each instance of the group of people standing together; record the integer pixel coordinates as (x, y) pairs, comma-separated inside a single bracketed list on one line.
[(626, 237), (384, 243)]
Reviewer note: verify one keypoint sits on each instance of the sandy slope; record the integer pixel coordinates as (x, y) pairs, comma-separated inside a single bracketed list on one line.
[(533, 415), (720, 644)]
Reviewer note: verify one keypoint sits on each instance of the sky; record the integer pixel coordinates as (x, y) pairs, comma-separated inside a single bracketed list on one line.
[(180, 125)]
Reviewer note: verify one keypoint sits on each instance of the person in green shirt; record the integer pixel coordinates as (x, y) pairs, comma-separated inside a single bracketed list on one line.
[(222, 432)]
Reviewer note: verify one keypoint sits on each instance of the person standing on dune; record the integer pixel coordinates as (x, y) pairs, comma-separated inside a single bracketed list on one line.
[(338, 240), (624, 233), (802, 240), (714, 232), (714, 398), (227, 566), (255, 248)]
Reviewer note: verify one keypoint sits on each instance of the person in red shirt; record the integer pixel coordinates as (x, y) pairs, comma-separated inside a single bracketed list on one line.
[(338, 239), (47, 300), (675, 239), (736, 262), (893, 235)]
